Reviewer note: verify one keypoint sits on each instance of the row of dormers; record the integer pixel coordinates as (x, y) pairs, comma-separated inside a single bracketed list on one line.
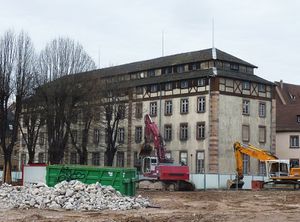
[(182, 68)]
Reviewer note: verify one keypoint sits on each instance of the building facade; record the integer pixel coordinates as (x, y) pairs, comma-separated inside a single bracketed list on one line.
[(288, 122), (202, 101)]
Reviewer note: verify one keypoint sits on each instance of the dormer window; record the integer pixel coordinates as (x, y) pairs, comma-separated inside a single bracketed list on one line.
[(179, 69), (234, 66), (166, 70), (298, 118), (194, 66), (151, 73)]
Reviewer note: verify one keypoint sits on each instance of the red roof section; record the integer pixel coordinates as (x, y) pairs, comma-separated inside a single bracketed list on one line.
[(287, 107)]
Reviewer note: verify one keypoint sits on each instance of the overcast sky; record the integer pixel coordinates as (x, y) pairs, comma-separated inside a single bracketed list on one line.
[(264, 33)]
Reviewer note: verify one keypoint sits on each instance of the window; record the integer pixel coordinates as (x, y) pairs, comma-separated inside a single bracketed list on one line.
[(194, 66), (153, 88), (96, 138), (234, 66), (121, 111), (294, 163), (201, 82), (138, 134), (179, 69), (73, 158), (153, 109), (261, 88), (96, 158), (42, 139), (262, 109), (294, 141), (246, 85), (298, 118), (201, 104), (183, 131), (168, 107), (141, 75), (151, 73), (120, 159), (204, 65), (183, 157), (262, 168), (184, 106), (168, 132), (168, 86), (200, 167), (245, 133), (139, 110), (41, 158), (121, 135), (184, 84), (246, 164), (200, 131), (262, 134), (139, 90), (246, 107), (135, 158), (166, 70)]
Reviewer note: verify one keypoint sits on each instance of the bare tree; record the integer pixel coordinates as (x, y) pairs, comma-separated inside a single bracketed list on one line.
[(61, 58), (114, 113), (16, 55), (33, 119), (88, 114)]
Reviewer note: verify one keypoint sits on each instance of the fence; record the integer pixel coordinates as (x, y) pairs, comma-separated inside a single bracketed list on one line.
[(219, 181), (15, 176)]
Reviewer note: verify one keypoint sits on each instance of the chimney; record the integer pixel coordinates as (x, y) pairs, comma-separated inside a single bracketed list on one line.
[(281, 84)]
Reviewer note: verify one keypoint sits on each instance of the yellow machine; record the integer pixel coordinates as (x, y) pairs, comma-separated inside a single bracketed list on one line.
[(278, 171)]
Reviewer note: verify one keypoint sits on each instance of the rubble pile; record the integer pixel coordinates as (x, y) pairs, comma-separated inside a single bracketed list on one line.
[(72, 195)]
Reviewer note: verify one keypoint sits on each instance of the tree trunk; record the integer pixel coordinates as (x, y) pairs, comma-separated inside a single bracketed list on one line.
[(110, 157), (6, 178), (31, 156), (83, 158)]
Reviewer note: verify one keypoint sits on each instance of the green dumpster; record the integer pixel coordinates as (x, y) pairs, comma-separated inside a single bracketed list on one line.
[(122, 179)]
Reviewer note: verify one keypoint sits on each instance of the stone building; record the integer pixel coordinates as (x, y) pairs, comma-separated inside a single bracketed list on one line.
[(288, 122), (202, 101)]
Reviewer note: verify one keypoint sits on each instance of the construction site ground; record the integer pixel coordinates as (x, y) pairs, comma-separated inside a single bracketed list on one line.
[(211, 205)]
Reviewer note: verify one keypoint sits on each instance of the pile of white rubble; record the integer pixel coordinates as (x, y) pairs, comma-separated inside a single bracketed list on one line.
[(72, 195)]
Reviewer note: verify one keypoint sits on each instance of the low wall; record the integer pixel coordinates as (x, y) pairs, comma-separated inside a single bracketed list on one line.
[(219, 181)]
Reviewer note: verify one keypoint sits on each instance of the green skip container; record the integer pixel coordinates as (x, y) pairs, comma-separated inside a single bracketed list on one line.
[(122, 179)]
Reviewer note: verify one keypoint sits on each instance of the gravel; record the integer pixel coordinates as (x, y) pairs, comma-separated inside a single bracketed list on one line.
[(72, 195)]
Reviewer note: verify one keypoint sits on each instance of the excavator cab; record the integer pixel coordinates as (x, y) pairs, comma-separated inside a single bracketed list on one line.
[(277, 168), (148, 164)]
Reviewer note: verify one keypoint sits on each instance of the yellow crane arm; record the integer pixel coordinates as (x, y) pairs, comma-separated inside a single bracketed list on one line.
[(252, 151)]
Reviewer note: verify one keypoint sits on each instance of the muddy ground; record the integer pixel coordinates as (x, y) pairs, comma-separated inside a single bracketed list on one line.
[(184, 206)]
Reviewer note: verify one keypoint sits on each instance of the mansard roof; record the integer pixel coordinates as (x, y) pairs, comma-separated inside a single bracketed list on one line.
[(182, 58)]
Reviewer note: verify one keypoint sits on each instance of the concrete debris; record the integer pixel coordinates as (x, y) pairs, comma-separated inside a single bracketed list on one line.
[(72, 195)]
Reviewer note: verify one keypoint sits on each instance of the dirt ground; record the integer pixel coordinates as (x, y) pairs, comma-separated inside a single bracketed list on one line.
[(184, 206)]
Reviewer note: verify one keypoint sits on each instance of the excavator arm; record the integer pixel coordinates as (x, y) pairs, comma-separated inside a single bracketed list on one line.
[(252, 151)]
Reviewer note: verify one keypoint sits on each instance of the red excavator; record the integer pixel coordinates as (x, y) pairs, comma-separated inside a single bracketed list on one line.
[(159, 172)]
